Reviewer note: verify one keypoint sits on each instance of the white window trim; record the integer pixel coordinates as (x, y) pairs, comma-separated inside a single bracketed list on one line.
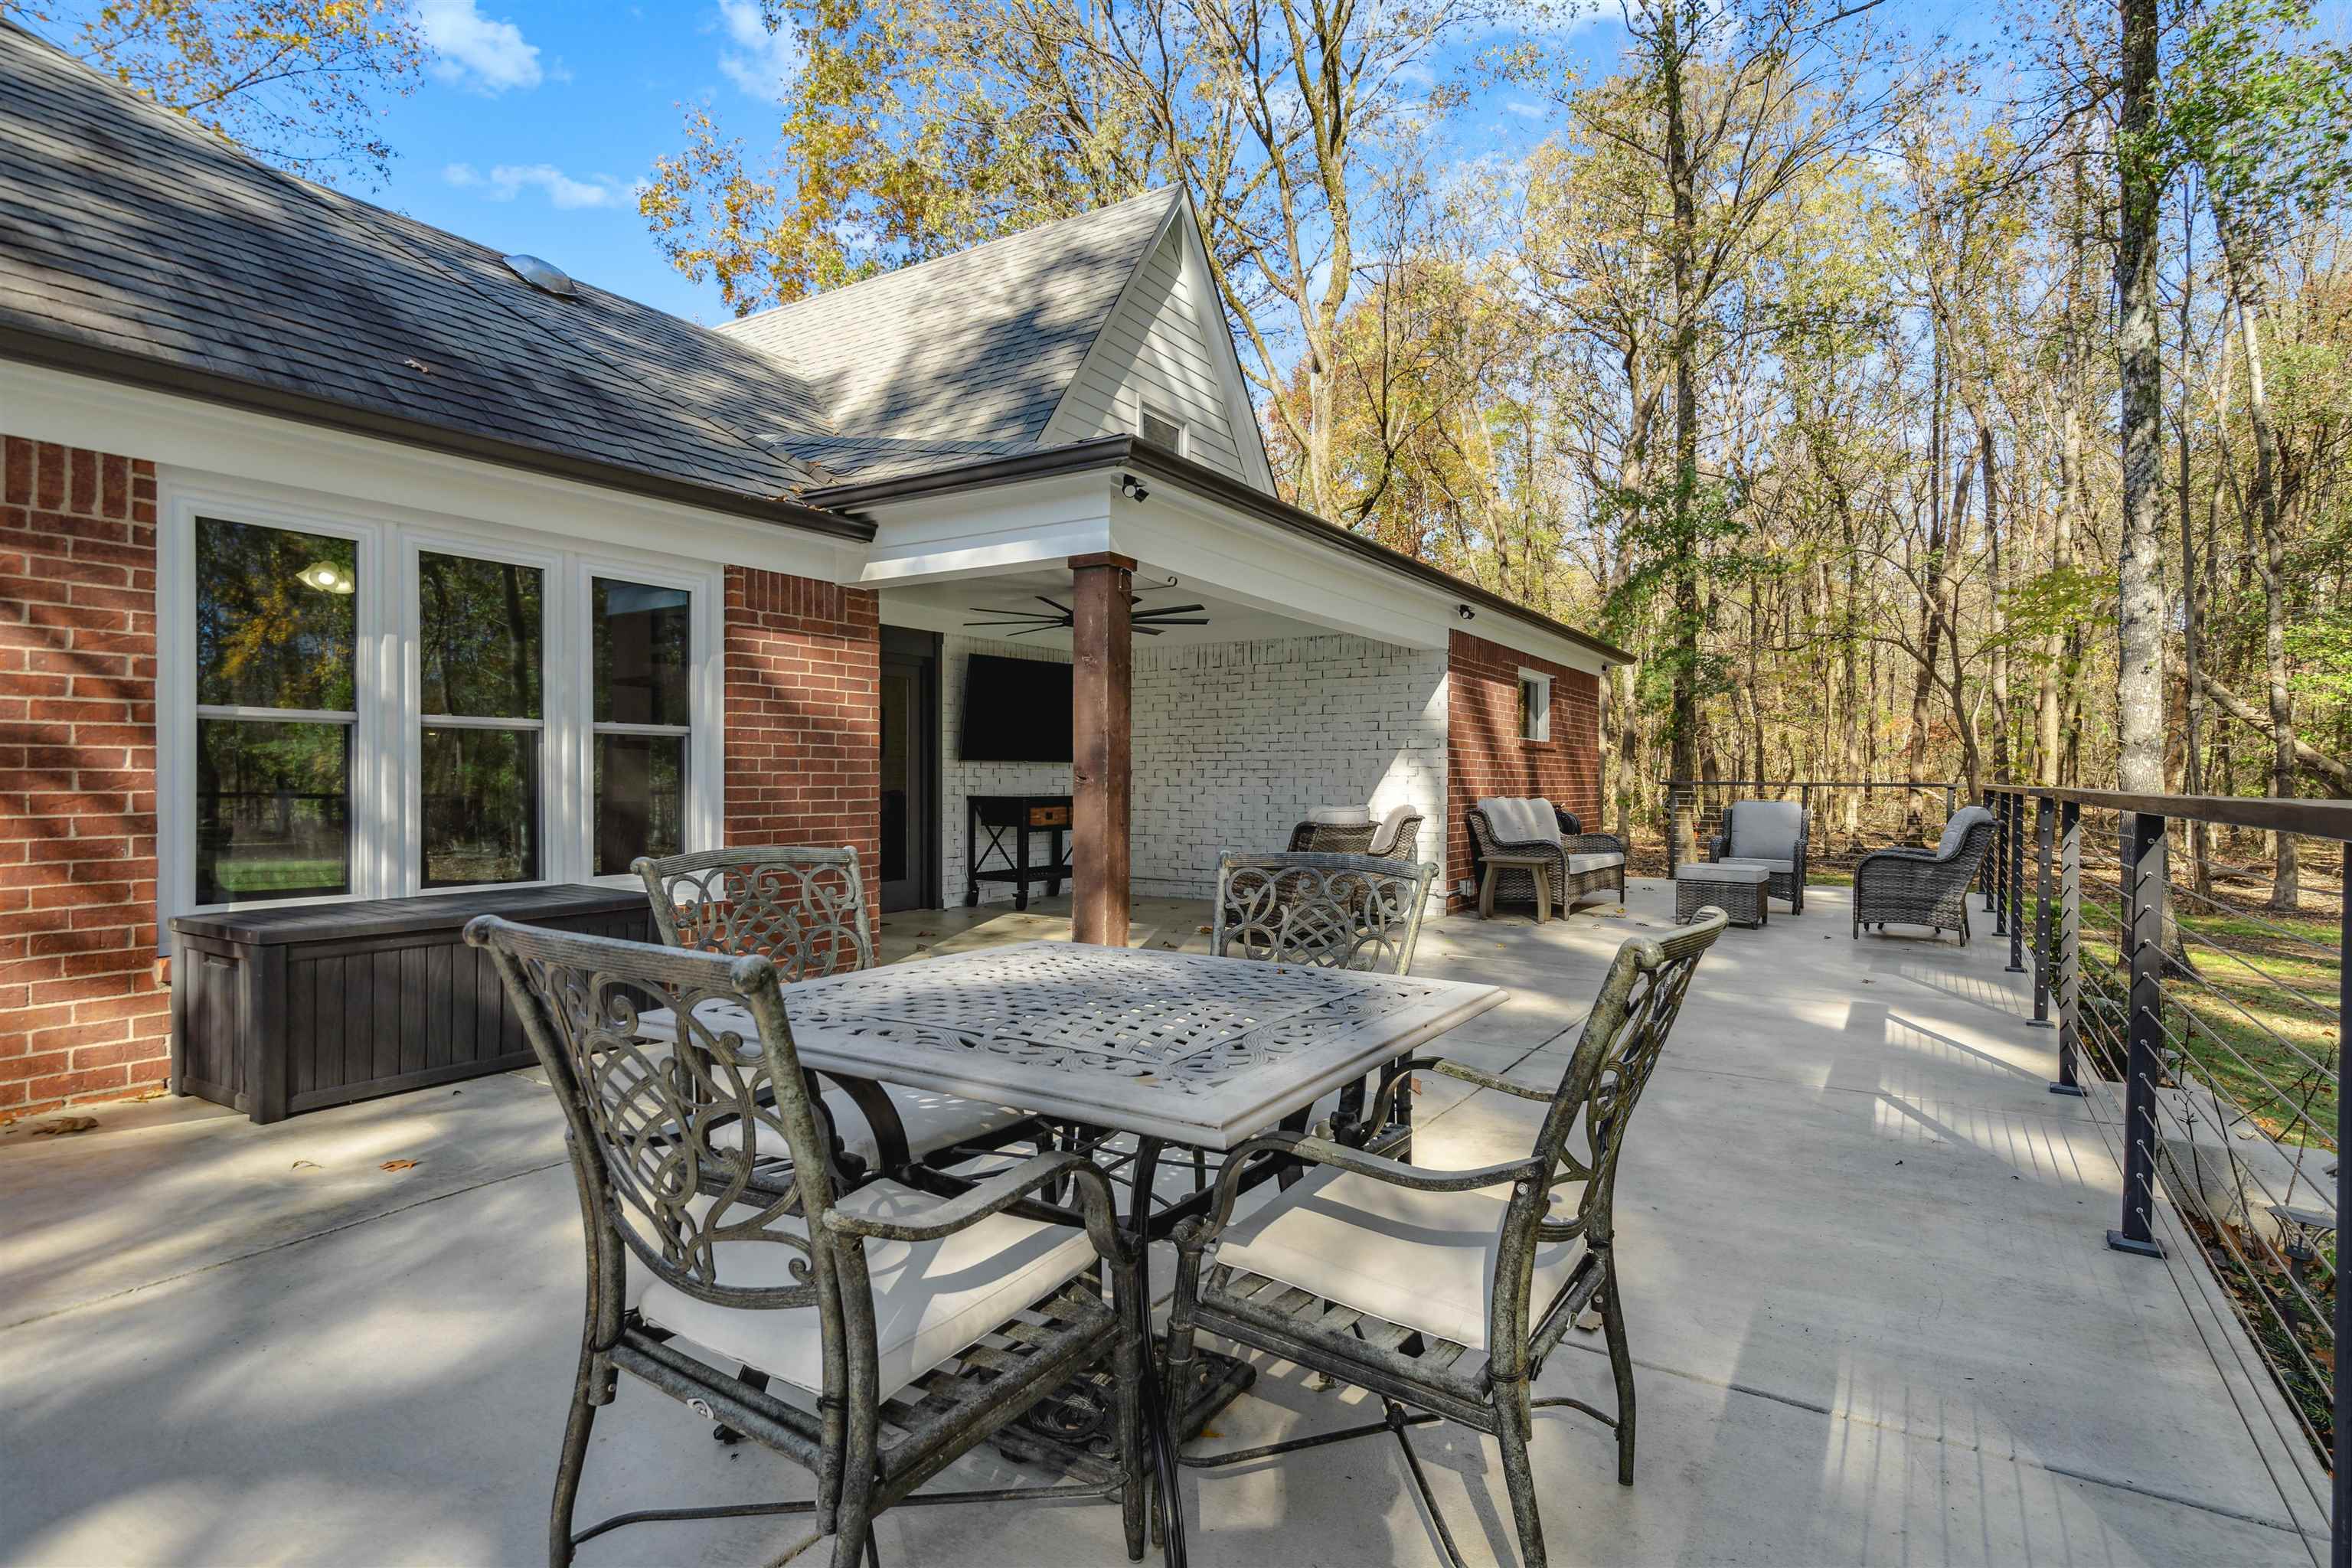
[(1542, 707), (387, 843)]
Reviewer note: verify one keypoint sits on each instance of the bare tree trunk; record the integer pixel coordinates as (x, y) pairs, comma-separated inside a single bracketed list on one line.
[(2139, 588), (2046, 741), (1996, 622), (2192, 761), (2243, 269)]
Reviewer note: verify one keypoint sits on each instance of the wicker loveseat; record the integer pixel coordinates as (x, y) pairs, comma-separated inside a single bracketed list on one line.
[(1924, 886), (1580, 864), (1770, 834)]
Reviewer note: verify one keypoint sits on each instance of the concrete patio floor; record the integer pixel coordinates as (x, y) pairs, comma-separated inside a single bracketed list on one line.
[(1864, 1265)]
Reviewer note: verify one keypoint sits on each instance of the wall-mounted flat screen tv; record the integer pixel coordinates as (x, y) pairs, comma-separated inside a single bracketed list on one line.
[(1016, 711)]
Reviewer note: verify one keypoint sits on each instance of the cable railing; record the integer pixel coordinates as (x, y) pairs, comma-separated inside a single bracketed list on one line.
[(2213, 1025)]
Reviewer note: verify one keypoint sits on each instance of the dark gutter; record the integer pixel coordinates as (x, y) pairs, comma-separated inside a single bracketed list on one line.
[(1134, 453), (160, 375)]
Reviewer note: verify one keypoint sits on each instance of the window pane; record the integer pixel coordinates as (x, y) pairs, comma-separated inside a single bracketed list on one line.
[(273, 810), (276, 617), (478, 637), (640, 799), (643, 647), (481, 807)]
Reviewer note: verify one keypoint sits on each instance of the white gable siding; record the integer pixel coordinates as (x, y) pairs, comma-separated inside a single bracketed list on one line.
[(1152, 349)]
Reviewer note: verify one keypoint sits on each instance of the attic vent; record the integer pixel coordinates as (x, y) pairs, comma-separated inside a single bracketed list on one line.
[(1160, 429), (543, 276)]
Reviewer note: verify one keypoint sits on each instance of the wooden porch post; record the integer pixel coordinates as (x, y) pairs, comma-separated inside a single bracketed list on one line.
[(1102, 649)]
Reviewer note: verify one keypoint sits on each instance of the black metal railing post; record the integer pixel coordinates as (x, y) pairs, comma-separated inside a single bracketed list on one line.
[(2045, 825), (1989, 873), (2144, 877), (2340, 1532), (2013, 883), (2066, 961)]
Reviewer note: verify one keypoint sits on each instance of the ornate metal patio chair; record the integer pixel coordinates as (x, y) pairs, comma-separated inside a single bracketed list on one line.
[(1445, 1292), (903, 1328), (1328, 911), (1394, 837), (1924, 886), (803, 908), (1580, 864), (1770, 834)]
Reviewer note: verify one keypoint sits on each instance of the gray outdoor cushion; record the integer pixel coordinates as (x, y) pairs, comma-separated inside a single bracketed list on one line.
[(1783, 867), (1719, 871), (1967, 817), (1598, 860), (1766, 829), (1516, 820)]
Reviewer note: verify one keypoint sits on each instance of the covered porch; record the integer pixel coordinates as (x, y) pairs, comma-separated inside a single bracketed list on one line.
[(1872, 1311), (1235, 663)]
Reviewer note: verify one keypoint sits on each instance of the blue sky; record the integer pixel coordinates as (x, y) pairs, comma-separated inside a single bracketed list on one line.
[(538, 117)]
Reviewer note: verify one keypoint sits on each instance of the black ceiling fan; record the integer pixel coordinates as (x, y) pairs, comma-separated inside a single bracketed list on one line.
[(1147, 622)]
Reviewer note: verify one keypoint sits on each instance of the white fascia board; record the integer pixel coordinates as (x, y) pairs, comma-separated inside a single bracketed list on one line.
[(983, 532), (1521, 637), (40, 404)]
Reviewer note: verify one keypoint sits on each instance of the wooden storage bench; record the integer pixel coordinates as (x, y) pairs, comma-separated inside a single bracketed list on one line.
[(280, 1011)]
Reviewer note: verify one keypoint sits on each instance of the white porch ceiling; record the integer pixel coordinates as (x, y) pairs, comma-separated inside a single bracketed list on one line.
[(947, 606)]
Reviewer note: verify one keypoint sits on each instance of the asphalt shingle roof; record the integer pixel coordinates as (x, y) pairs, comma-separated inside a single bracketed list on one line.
[(128, 230), (977, 346)]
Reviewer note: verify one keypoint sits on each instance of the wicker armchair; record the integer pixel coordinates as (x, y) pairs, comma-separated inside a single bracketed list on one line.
[(1770, 834), (1580, 864), (1445, 1290), (1924, 887), (1396, 837), (909, 1329)]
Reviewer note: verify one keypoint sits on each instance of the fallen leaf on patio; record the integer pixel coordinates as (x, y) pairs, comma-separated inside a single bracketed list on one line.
[(1203, 931), (63, 1124), (397, 1166), (304, 1165), (1416, 1086), (927, 933)]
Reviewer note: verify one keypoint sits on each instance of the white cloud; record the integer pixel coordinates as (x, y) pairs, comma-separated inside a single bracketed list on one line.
[(760, 62), (473, 50), (503, 182), (1524, 108)]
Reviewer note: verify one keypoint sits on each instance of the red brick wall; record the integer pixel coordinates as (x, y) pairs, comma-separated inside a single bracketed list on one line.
[(1484, 753), (804, 715), (81, 1016)]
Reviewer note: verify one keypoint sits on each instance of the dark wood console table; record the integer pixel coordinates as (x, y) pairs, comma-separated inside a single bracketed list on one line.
[(1016, 815)]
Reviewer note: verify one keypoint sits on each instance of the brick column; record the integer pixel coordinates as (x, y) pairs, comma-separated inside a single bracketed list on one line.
[(82, 1014), (805, 715)]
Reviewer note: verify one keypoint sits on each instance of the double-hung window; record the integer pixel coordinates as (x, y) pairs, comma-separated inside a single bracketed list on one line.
[(370, 708), (481, 632), (276, 715)]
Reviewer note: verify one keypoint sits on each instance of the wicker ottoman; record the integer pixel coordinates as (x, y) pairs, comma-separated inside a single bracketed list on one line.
[(1738, 891)]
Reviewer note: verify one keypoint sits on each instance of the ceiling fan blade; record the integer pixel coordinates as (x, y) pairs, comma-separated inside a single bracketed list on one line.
[(1063, 608), (1169, 610), (1032, 631), (1146, 631), (1179, 621)]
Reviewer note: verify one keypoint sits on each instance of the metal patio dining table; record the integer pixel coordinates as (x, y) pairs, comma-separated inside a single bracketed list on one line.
[(1176, 1049)]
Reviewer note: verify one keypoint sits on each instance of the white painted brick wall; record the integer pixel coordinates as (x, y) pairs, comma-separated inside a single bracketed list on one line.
[(1234, 743), (959, 779)]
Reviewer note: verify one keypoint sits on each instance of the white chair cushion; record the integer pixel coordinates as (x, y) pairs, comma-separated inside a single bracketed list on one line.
[(1599, 860), (1766, 829), (1385, 836), (933, 1122), (1423, 1260), (1721, 871), (1760, 862), (1515, 820), (932, 1299)]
